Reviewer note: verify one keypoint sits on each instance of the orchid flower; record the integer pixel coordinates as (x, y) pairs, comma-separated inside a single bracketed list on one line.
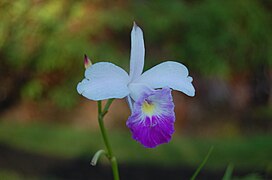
[(148, 94)]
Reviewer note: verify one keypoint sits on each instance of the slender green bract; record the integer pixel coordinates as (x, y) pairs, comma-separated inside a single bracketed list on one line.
[(108, 153), (97, 156)]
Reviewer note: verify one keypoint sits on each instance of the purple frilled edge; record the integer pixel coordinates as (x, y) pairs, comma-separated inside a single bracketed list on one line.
[(153, 129)]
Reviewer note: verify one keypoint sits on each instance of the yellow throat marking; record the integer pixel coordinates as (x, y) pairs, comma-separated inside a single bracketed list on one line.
[(148, 109)]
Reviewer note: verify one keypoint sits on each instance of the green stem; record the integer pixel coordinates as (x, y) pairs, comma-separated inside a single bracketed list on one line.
[(110, 155)]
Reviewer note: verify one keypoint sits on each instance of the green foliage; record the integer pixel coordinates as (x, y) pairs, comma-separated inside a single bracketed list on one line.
[(229, 171), (63, 96), (213, 37), (249, 177), (32, 89), (44, 41), (9, 175), (70, 142)]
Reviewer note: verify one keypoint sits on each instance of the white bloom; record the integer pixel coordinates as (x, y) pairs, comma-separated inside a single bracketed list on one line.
[(105, 80)]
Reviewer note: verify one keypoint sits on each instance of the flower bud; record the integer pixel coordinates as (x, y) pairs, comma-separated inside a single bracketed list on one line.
[(87, 62)]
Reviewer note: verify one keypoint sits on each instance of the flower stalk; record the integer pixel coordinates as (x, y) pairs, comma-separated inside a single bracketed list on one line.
[(109, 153)]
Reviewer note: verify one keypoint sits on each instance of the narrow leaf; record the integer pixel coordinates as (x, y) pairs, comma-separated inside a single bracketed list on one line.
[(228, 172), (202, 164)]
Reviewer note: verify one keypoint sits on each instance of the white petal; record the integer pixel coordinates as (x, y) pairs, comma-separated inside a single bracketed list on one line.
[(104, 81), (137, 52), (171, 74), (137, 89)]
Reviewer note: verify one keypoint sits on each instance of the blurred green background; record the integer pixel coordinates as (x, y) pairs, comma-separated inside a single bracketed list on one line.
[(226, 45)]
